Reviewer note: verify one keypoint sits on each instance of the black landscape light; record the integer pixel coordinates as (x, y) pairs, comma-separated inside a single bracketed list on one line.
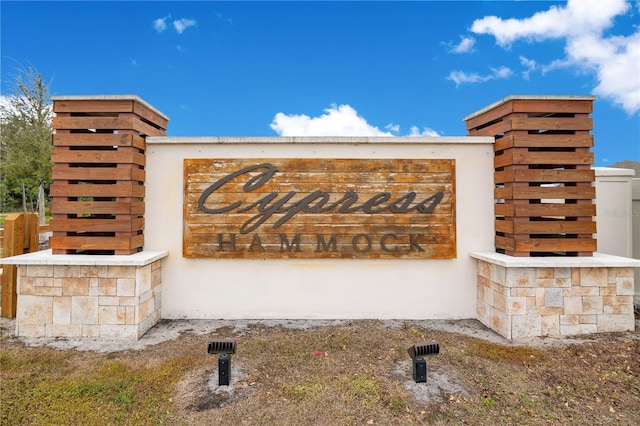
[(224, 348), (417, 352)]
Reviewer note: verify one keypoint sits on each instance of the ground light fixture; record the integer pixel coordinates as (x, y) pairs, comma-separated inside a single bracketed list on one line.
[(417, 352), (223, 348)]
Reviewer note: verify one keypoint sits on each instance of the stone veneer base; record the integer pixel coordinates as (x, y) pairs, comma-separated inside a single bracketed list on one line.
[(87, 296), (555, 296)]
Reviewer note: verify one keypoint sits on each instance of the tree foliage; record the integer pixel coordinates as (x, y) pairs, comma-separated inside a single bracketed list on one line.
[(25, 140)]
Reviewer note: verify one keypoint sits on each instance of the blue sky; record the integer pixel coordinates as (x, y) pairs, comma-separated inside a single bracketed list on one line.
[(326, 68)]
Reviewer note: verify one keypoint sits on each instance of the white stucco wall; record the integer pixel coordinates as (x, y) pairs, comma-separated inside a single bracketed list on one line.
[(319, 288), (614, 211)]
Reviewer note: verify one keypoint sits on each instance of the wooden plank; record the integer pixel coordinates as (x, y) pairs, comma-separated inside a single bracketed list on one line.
[(545, 210), (118, 224), (522, 156), (59, 206), (120, 155), (512, 140), (124, 121), (150, 115), (494, 114), (551, 123), (126, 172), (124, 189), (545, 227), (546, 192), (575, 106), (99, 139), (543, 175), (95, 106), (549, 245), (95, 243), (329, 214)]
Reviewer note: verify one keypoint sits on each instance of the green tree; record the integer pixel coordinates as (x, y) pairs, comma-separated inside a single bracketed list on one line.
[(25, 140)]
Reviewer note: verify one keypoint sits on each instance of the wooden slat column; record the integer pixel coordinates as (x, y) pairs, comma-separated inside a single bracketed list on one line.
[(98, 173), (544, 185)]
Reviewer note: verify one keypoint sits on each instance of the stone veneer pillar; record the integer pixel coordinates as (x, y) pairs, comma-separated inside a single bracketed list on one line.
[(96, 296), (555, 296)]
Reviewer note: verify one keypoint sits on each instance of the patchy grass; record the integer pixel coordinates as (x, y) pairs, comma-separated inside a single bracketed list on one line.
[(354, 374)]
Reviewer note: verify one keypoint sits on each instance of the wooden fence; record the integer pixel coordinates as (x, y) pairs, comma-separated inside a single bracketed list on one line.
[(98, 173), (543, 179), (19, 236)]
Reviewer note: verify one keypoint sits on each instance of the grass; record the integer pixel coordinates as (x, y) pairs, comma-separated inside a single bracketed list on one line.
[(354, 374)]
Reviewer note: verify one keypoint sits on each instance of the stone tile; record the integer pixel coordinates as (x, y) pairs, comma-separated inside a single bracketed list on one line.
[(575, 276), (158, 263), (156, 277), (550, 325), (621, 309), (483, 269), (121, 272), (617, 300), (119, 332), (112, 315), (517, 305), (548, 311), (487, 296), (74, 286), (545, 283), (553, 297), (84, 310), (582, 291), (592, 305), (497, 273), (62, 310), (587, 319), (500, 323), (523, 292), (130, 316), (128, 301), (48, 291), (562, 273), (91, 330), (30, 330), (624, 286), (108, 301), (569, 319), (126, 287), (576, 329), (573, 305), (523, 326), (521, 277), (624, 272), (544, 273), (499, 302), (63, 330), (613, 323), (594, 277), (26, 286), (39, 271), (608, 291), (34, 310), (143, 279), (562, 282)]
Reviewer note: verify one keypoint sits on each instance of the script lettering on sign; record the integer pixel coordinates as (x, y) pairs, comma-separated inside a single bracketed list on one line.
[(319, 208)]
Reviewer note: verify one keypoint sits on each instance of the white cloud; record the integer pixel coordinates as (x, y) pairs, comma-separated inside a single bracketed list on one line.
[(182, 24), (614, 59), (529, 64), (461, 77), (338, 120), (426, 131), (465, 45), (160, 24), (392, 127)]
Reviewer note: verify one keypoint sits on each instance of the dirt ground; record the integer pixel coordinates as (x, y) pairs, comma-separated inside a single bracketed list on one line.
[(359, 372)]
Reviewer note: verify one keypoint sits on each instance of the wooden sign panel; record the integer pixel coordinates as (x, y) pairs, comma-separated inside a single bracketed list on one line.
[(319, 208)]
